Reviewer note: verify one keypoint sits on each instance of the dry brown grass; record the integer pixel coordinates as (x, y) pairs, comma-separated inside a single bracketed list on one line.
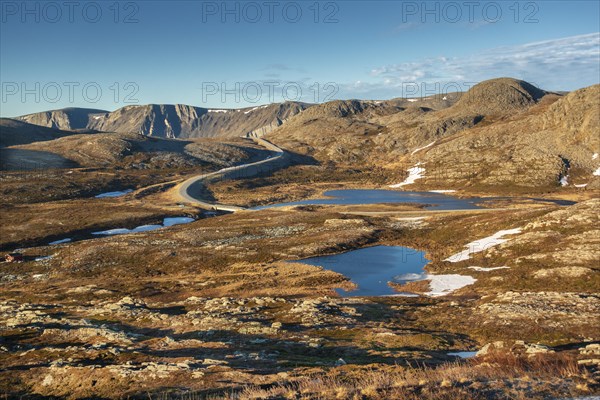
[(495, 377), (38, 224)]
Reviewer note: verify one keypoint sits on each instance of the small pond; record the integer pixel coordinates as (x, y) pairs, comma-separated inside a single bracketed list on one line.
[(371, 268)]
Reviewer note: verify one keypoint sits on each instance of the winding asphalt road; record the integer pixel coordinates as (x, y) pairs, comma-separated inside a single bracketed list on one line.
[(193, 189)]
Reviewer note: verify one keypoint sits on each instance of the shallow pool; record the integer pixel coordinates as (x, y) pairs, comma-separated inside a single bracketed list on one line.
[(371, 268)]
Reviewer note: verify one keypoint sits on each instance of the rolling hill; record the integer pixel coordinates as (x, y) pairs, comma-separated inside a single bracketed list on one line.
[(501, 132), (14, 132)]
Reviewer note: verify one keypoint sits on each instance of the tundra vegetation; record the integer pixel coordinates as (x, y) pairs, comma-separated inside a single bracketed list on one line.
[(223, 307)]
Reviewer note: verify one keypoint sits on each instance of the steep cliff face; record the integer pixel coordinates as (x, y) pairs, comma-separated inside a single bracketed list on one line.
[(151, 120), (173, 121), (65, 119)]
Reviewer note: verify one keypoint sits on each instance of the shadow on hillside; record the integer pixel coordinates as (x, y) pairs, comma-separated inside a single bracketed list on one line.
[(31, 160)]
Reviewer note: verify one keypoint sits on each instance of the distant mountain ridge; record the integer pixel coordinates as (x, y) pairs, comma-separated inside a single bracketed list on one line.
[(501, 132), (171, 120)]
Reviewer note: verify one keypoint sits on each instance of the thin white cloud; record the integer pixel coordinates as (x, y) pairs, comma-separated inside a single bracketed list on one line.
[(554, 64), (560, 64)]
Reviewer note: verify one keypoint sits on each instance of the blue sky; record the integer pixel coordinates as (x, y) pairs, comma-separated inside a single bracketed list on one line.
[(106, 54)]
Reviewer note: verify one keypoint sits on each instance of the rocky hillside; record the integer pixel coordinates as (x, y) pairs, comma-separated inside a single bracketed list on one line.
[(501, 132), (13, 132), (554, 143), (172, 121), (499, 96), (134, 151)]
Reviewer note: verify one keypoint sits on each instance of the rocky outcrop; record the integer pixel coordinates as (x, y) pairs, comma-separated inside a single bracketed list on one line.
[(264, 130), (519, 347)]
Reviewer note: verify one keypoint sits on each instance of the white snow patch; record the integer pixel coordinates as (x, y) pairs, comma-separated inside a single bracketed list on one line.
[(97, 117), (482, 269), (439, 285), (564, 181), (249, 111), (255, 108), (424, 147), (43, 258), (596, 172), (114, 194), (412, 100), (442, 285), (444, 98), (594, 156), (61, 241), (218, 111), (482, 244), (443, 191), (414, 173), (581, 185)]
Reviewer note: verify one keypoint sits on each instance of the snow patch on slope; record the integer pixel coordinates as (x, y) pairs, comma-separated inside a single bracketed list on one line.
[(255, 108), (414, 173), (482, 244), (441, 285), (482, 269), (424, 147)]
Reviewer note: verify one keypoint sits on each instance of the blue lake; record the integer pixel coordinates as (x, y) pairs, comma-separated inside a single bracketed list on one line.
[(435, 201), (371, 268)]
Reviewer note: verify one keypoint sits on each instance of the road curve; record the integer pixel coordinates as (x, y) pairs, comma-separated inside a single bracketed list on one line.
[(191, 190)]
